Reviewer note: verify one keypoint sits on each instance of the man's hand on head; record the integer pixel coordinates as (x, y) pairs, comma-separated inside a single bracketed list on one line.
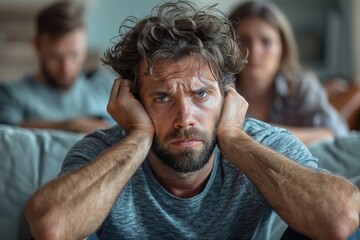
[(233, 112), (126, 110)]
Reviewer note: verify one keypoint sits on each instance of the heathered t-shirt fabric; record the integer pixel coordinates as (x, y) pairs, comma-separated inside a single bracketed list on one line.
[(27, 99), (229, 207)]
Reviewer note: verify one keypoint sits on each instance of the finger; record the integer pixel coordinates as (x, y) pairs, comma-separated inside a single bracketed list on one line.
[(124, 87), (230, 85), (229, 91), (115, 90)]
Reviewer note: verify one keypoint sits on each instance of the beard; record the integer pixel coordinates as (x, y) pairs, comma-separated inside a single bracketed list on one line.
[(54, 81), (190, 159)]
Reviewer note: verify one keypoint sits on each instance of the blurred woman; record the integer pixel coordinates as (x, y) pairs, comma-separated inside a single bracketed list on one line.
[(278, 90)]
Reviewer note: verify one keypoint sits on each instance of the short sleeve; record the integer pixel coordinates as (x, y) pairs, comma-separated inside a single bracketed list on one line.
[(281, 141), (288, 145), (88, 148), (82, 153)]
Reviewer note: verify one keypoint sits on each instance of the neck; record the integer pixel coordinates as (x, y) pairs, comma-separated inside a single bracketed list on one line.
[(39, 76), (182, 185)]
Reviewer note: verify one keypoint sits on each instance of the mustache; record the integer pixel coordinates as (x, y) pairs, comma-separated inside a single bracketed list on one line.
[(186, 133)]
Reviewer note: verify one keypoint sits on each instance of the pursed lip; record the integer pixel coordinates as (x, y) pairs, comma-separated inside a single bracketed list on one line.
[(186, 142)]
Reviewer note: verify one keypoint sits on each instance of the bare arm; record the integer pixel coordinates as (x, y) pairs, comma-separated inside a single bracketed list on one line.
[(60, 209), (319, 205), (82, 124)]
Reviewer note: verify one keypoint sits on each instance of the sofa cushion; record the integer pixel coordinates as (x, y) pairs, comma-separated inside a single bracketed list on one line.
[(29, 159), (340, 156)]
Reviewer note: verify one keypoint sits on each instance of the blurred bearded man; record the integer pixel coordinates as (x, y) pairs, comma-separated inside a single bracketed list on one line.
[(58, 95)]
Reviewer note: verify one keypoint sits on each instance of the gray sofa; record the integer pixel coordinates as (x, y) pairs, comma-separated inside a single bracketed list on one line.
[(30, 158)]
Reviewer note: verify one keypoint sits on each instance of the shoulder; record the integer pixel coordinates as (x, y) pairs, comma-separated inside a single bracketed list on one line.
[(304, 86), (307, 80), (100, 76), (90, 146), (99, 82), (267, 134), (17, 87), (23, 81), (260, 130), (104, 137), (280, 140)]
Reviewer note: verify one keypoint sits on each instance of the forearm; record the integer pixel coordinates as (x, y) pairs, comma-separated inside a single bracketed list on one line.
[(307, 200), (65, 126), (74, 206)]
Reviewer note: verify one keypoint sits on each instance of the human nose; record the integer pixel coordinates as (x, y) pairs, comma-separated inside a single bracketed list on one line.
[(184, 114), (254, 50), (67, 66)]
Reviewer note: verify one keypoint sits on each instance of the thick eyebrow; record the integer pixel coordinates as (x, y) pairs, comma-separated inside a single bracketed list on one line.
[(157, 93), (169, 92), (203, 88), (207, 84)]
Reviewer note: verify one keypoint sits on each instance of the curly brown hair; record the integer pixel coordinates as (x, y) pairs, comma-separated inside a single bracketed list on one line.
[(175, 30), (60, 18)]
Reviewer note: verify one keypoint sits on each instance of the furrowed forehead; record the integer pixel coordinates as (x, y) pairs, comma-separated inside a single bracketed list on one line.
[(184, 74), (186, 67)]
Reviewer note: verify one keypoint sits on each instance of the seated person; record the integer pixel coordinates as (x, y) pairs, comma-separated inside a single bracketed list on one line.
[(184, 162), (57, 95), (274, 84)]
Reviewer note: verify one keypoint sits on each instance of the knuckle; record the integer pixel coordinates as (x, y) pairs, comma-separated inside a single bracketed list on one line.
[(110, 107)]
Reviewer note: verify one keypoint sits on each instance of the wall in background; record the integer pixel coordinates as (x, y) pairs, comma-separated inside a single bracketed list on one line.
[(323, 33), (355, 37), (327, 30), (105, 16)]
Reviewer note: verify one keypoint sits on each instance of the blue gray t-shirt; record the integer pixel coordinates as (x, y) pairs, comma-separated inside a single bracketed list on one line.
[(28, 99), (229, 207)]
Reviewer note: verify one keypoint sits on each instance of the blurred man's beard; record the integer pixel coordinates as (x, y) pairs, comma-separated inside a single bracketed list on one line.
[(52, 81), (188, 160)]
